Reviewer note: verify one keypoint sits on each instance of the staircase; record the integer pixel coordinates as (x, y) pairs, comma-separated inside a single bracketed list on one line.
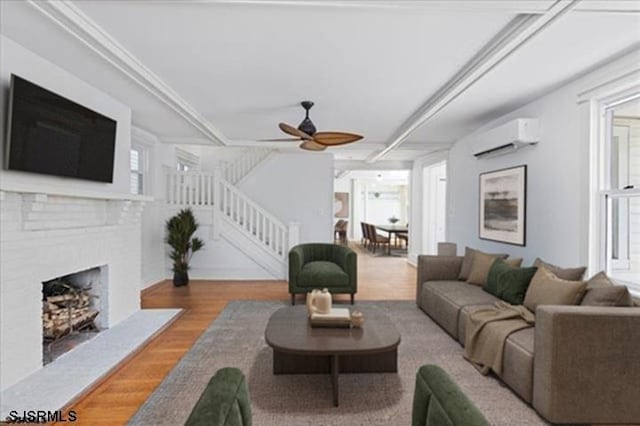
[(235, 218), (235, 171)]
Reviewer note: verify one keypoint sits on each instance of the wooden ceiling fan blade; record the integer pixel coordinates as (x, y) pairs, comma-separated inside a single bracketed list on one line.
[(335, 138), (280, 140), (312, 146), (290, 130)]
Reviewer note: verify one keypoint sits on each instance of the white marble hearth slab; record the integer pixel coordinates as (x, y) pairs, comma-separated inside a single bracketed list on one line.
[(58, 383)]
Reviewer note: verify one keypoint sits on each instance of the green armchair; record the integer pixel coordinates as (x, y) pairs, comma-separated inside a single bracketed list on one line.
[(320, 265), (224, 402), (437, 400)]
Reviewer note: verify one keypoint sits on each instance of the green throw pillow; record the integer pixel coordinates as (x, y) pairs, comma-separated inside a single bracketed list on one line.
[(513, 284), (497, 268)]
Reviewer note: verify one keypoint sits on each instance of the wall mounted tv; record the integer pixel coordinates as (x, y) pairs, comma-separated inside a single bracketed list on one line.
[(50, 134)]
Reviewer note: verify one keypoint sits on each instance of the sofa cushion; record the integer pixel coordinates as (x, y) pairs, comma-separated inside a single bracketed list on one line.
[(443, 300), (547, 289), (571, 274), (517, 362), (513, 284), (467, 262), (615, 295), (321, 273)]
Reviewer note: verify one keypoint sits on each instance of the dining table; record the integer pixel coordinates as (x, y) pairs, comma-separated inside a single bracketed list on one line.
[(393, 230)]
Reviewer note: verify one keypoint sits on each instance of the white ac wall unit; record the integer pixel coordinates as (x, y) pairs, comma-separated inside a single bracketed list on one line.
[(507, 138)]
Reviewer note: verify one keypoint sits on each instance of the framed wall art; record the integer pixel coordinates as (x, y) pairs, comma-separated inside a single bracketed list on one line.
[(341, 204), (503, 198)]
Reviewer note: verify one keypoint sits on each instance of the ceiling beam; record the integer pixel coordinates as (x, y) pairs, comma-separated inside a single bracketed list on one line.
[(380, 165), (433, 6), (511, 38), (341, 174), (407, 146), (82, 27)]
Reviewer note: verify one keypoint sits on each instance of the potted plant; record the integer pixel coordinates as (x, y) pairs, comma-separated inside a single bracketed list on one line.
[(180, 230)]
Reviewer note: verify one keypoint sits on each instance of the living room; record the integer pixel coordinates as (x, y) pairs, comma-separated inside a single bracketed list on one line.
[(197, 91)]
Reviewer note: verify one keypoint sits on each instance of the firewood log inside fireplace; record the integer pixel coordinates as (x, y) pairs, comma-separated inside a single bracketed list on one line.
[(64, 313)]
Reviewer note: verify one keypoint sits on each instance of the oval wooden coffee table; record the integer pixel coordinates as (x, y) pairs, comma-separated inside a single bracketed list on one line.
[(299, 348)]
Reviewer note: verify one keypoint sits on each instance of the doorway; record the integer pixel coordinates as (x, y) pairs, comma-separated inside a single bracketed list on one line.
[(434, 206)]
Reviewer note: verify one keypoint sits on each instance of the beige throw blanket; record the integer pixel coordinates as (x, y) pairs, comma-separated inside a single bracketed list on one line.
[(488, 329)]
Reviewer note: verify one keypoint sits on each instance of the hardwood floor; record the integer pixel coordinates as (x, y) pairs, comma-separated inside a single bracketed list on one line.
[(118, 397)]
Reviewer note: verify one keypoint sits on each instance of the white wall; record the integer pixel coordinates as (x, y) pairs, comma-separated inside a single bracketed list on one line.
[(557, 179), (160, 156), (434, 207), (218, 260), (417, 215), (14, 59), (296, 187)]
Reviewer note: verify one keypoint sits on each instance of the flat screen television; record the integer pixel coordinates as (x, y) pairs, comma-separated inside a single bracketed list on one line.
[(50, 134)]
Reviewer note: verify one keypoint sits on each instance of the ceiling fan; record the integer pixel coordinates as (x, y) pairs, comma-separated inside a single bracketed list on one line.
[(313, 140)]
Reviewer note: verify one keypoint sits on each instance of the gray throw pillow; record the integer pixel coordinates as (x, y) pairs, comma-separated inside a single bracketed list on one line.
[(571, 274), (615, 295), (599, 280)]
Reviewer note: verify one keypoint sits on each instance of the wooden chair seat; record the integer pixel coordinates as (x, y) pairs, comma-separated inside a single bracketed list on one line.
[(377, 239)]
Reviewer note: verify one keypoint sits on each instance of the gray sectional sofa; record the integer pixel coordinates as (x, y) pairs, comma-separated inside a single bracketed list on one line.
[(579, 364)]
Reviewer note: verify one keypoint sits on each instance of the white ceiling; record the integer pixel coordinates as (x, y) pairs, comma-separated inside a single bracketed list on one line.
[(243, 66)]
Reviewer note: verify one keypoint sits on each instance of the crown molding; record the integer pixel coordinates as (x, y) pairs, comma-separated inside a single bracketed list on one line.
[(82, 27), (510, 39), (146, 137)]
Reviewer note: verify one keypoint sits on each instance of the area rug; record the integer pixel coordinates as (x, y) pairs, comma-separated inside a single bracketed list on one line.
[(382, 251), (236, 338)]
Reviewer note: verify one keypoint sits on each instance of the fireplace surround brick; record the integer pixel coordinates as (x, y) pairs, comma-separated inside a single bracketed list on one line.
[(67, 235)]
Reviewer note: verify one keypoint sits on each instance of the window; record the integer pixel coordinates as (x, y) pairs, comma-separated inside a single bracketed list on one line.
[(620, 193), (136, 185)]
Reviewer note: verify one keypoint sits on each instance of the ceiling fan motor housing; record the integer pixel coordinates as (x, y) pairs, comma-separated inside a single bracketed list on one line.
[(307, 125)]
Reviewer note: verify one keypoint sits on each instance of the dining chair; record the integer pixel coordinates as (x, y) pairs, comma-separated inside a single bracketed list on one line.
[(377, 239), (404, 236), (365, 235)]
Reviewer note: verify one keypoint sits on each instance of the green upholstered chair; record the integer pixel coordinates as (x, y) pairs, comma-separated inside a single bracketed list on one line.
[(224, 402), (437, 401), (320, 265)]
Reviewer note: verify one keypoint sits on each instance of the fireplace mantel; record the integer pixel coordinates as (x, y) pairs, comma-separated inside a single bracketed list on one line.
[(27, 188)]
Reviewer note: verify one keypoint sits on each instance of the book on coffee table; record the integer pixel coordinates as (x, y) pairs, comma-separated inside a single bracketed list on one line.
[(337, 317)]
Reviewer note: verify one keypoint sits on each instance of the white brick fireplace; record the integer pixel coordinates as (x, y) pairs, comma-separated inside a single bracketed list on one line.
[(44, 236)]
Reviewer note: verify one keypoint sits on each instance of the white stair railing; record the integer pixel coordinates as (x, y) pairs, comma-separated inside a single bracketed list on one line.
[(233, 172), (189, 188), (253, 219), (212, 191)]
